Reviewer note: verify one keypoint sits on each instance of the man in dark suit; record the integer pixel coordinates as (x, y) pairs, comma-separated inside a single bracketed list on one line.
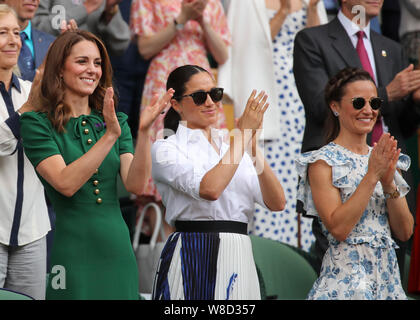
[(320, 52), (35, 43)]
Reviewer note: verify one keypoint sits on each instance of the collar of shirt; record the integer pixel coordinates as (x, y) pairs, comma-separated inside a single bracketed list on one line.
[(14, 83), (352, 28), (28, 41), (28, 31), (193, 136)]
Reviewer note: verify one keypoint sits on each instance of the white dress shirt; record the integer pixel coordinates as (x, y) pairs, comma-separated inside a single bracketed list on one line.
[(178, 166), (23, 210), (352, 29)]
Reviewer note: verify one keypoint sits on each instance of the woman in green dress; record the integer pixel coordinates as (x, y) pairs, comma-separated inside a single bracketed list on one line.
[(78, 145)]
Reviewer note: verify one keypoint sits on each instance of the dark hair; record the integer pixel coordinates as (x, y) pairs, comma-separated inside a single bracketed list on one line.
[(334, 91), (177, 80), (53, 87)]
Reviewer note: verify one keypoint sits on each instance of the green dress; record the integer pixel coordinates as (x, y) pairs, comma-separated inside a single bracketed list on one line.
[(92, 257)]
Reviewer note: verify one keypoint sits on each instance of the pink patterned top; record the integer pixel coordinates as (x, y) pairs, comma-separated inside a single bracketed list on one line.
[(187, 47)]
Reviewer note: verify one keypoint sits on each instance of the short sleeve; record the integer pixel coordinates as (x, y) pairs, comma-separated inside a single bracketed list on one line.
[(37, 137), (341, 167), (403, 163), (125, 140), (171, 167), (145, 16)]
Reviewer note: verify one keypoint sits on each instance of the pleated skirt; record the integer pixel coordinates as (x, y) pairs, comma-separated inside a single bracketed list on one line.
[(207, 266)]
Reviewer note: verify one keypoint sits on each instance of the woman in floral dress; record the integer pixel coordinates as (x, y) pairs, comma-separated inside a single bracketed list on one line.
[(174, 33), (358, 194)]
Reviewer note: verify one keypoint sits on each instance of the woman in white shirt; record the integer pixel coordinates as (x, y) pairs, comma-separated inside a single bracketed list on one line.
[(23, 211), (209, 189)]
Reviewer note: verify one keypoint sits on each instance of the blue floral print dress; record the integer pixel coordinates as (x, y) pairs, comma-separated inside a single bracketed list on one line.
[(364, 266)]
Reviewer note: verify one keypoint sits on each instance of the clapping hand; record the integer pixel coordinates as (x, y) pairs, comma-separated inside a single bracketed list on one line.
[(35, 100), (199, 6), (254, 111), (151, 112), (383, 160), (405, 82), (71, 26), (192, 10), (110, 117)]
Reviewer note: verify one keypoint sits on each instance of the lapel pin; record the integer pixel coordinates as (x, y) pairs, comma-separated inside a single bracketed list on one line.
[(383, 53)]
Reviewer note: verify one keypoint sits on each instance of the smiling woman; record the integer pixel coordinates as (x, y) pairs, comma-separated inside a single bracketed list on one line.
[(209, 189), (10, 43), (23, 211), (78, 145), (358, 195), (81, 73)]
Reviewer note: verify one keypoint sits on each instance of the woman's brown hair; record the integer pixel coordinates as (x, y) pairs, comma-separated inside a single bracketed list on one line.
[(334, 91), (53, 87)]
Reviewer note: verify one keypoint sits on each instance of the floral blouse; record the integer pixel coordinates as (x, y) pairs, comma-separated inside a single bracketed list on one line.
[(364, 266)]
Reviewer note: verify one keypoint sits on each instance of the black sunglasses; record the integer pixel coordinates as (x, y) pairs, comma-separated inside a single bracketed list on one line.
[(199, 97), (359, 103)]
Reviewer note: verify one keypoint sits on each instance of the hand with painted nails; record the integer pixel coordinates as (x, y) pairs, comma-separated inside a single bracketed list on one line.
[(253, 114), (152, 111), (71, 26), (383, 159), (35, 101), (110, 117), (391, 154)]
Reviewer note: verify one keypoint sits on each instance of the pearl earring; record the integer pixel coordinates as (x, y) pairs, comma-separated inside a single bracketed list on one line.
[(336, 113)]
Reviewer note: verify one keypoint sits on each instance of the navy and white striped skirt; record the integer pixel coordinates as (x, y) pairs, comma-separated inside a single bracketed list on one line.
[(215, 262)]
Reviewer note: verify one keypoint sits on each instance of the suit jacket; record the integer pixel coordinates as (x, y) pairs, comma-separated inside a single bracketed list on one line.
[(115, 35), (41, 42), (320, 53)]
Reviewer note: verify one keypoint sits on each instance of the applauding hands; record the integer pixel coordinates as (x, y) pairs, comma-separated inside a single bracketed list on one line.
[(383, 160), (34, 102), (147, 117), (192, 10)]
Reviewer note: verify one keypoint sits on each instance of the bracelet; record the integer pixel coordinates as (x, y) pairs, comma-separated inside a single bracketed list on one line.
[(392, 195)]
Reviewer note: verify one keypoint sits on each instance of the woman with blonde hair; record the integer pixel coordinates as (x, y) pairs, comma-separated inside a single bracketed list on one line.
[(24, 215)]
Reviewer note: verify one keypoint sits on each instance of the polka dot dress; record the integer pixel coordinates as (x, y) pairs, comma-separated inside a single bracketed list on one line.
[(280, 153)]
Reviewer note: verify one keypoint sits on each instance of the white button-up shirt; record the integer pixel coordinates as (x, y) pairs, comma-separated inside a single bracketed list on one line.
[(352, 29), (178, 166), (23, 210)]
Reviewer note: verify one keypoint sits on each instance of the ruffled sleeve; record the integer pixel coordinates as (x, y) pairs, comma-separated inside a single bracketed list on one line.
[(37, 137), (403, 163), (341, 167), (125, 140)]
